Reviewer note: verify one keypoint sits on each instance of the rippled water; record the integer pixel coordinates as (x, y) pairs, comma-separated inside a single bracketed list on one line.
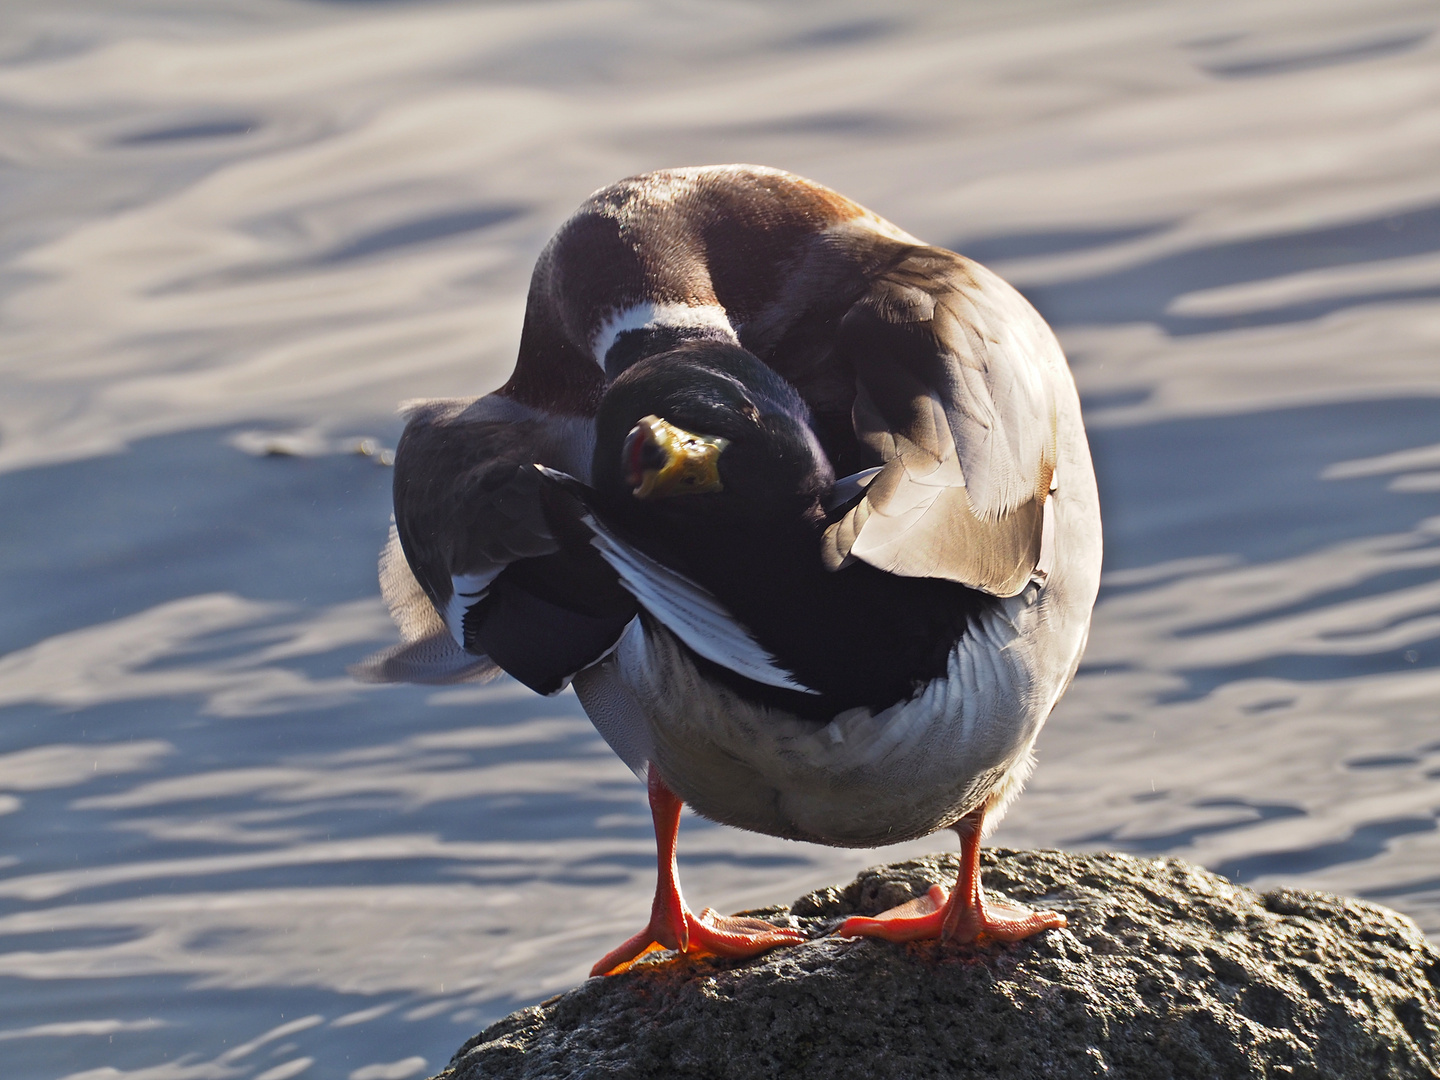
[(237, 233)]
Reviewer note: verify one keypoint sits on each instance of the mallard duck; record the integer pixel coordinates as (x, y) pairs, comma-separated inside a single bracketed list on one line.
[(800, 506)]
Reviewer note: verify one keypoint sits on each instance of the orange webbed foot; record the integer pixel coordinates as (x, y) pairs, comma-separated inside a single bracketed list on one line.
[(998, 920), (708, 934), (962, 916), (937, 915), (739, 935), (918, 920)]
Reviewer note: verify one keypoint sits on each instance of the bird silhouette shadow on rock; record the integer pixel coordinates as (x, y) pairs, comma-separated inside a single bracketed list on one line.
[(1165, 971)]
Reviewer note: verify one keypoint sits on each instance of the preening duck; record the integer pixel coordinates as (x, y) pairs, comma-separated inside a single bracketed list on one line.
[(800, 506)]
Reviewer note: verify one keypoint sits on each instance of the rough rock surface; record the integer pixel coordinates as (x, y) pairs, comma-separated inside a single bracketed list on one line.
[(1166, 970)]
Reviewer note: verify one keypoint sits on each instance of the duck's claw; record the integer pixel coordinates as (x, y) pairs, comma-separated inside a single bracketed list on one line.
[(738, 935), (936, 915), (962, 916), (997, 920), (708, 934), (621, 957)]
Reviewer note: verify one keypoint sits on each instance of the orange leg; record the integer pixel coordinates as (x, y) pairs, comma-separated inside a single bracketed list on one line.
[(672, 925), (964, 915)]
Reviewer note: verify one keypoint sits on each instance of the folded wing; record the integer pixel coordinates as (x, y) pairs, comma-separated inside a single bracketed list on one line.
[(490, 567), (954, 373)]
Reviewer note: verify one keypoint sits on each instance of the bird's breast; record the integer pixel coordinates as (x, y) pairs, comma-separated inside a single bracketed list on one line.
[(860, 778)]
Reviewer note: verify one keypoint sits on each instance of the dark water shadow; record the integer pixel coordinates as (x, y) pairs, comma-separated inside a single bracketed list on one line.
[(1374, 585), (1406, 888), (1365, 842), (85, 937), (241, 1014), (1159, 843), (1248, 489), (205, 129), (1200, 682), (421, 230), (850, 32), (988, 249), (180, 515), (1369, 48), (1181, 325), (855, 123), (1382, 761), (1143, 291), (412, 233), (1249, 485)]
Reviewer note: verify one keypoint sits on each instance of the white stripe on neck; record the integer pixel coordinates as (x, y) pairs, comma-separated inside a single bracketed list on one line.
[(652, 316)]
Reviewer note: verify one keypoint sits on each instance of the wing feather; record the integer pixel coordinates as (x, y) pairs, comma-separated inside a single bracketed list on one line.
[(427, 653), (691, 612), (955, 374)]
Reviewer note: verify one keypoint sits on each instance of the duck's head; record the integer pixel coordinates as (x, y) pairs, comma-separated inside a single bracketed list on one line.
[(704, 429)]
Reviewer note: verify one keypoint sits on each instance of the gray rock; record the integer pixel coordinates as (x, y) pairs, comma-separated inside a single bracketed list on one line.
[(1166, 970)]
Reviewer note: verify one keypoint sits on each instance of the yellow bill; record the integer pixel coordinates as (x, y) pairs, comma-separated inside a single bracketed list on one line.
[(662, 460)]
